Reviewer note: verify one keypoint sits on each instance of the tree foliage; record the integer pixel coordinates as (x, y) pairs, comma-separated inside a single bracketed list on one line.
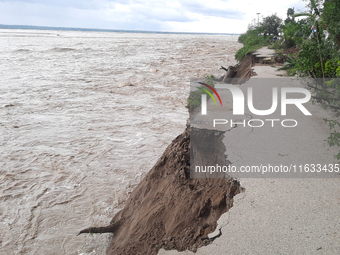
[(320, 57), (290, 18), (331, 16), (271, 24)]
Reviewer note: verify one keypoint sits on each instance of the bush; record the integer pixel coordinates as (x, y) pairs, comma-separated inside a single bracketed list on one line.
[(311, 54)]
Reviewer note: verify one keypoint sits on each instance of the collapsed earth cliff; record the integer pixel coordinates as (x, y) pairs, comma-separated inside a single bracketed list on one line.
[(173, 207), (170, 210), (241, 72)]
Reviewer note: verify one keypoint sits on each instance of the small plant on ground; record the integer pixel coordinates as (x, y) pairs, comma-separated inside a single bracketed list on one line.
[(194, 99)]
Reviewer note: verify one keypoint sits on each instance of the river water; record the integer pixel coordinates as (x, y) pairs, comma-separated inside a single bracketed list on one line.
[(83, 117)]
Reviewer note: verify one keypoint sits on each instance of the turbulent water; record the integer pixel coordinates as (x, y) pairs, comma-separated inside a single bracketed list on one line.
[(83, 116)]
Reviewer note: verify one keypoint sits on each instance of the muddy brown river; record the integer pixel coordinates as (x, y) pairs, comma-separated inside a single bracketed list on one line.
[(83, 117)]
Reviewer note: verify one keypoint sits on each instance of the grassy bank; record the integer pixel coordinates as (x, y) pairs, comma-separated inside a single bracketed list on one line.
[(252, 41)]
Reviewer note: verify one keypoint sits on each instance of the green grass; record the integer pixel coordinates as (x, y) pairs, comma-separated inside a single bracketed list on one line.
[(252, 41), (245, 50), (194, 99), (278, 51)]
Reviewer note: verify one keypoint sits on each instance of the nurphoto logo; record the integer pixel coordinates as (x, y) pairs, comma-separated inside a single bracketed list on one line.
[(239, 104)]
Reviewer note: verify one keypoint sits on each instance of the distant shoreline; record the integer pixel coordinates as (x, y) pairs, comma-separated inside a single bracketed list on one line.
[(2, 26)]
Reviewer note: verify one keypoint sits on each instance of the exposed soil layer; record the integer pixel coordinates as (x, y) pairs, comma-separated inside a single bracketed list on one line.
[(170, 210), (241, 72), (292, 50), (277, 60)]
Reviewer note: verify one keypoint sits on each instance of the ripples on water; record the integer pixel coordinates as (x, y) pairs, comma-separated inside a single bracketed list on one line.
[(83, 116)]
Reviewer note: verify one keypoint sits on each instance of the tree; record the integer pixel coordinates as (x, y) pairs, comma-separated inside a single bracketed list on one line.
[(252, 25), (331, 16), (290, 18), (314, 15), (271, 24)]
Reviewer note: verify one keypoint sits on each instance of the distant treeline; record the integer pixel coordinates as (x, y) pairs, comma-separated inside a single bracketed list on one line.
[(101, 30)]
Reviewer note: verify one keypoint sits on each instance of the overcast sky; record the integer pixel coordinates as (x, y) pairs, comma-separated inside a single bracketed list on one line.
[(218, 16)]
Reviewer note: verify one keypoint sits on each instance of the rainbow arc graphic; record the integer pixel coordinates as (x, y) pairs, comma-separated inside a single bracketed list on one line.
[(208, 92)]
